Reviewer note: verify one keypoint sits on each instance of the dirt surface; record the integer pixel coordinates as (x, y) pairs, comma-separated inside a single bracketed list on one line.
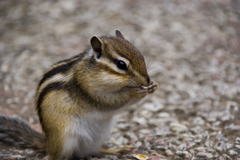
[(192, 49)]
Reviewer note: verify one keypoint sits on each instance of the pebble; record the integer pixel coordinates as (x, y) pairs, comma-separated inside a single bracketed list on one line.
[(160, 148), (140, 120), (156, 121), (227, 157), (169, 153), (184, 154), (163, 115), (200, 149), (197, 129), (233, 127), (228, 146), (220, 158), (211, 119), (198, 121), (237, 140), (152, 107), (232, 152), (123, 126), (217, 123), (237, 146), (178, 127), (227, 117), (203, 154)]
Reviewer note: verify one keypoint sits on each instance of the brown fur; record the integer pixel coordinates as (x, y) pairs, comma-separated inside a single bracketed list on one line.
[(79, 86), (15, 132)]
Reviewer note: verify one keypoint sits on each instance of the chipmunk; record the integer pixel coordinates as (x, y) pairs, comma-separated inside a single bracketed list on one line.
[(77, 99)]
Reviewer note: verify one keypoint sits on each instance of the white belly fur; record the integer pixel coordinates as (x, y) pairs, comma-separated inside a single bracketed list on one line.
[(85, 136)]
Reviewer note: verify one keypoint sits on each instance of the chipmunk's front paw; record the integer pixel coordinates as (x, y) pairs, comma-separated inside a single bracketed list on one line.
[(151, 88), (140, 92)]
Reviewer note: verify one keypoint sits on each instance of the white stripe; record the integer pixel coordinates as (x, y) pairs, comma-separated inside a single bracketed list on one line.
[(56, 78), (112, 65)]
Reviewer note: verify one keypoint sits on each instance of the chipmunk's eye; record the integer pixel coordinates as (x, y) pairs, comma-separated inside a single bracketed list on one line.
[(121, 65)]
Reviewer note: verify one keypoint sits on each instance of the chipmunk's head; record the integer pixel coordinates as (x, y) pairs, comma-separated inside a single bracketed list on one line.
[(118, 68), (119, 61)]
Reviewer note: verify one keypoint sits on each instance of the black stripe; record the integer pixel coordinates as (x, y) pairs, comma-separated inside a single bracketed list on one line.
[(59, 69), (51, 87)]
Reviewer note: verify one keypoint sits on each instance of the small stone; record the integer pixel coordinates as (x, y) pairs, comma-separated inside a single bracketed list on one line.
[(198, 121), (144, 131), (155, 121), (232, 153), (227, 157), (152, 107), (216, 124), (211, 119), (219, 146), (138, 144), (233, 127), (177, 127), (237, 146), (227, 117), (169, 153), (209, 155), (203, 154), (197, 129), (220, 158), (123, 126), (228, 146), (237, 140), (185, 154), (163, 115), (232, 107), (191, 144), (200, 149), (160, 148), (141, 121)]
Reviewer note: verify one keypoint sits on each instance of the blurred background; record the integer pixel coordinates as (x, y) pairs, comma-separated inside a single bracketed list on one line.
[(192, 49)]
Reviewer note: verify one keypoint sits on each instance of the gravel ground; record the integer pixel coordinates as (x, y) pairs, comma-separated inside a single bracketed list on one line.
[(192, 49)]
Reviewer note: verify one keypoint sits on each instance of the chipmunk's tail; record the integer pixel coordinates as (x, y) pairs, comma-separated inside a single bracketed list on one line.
[(17, 133)]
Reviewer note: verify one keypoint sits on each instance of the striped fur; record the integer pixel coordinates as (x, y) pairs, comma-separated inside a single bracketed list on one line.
[(77, 98), (88, 89)]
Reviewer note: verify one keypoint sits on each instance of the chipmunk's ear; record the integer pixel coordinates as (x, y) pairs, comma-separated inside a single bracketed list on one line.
[(96, 44), (119, 34)]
